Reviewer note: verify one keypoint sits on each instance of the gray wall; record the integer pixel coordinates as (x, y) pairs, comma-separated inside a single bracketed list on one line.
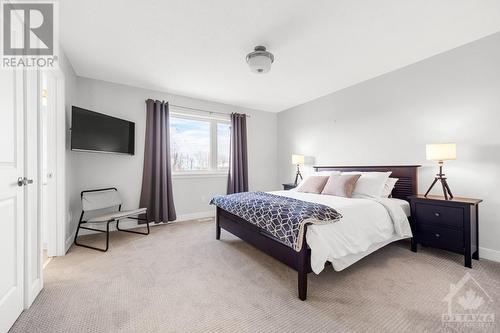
[(191, 194), (451, 97)]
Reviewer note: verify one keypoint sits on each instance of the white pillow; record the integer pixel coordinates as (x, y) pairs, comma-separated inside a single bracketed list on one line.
[(370, 184), (388, 187)]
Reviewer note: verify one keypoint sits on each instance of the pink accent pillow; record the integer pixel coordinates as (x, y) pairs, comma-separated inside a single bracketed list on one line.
[(341, 185), (313, 184)]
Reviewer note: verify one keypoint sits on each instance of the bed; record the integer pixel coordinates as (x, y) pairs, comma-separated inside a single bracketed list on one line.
[(327, 242)]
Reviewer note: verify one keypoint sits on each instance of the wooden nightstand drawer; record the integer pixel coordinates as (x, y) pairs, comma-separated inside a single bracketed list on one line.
[(449, 224), (441, 237), (431, 213)]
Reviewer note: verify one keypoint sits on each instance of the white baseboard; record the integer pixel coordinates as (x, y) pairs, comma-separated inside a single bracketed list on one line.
[(484, 253), (69, 242), (489, 254), (195, 216), (131, 224)]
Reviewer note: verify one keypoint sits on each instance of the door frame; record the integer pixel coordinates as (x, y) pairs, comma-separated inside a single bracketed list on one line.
[(57, 229), (60, 167)]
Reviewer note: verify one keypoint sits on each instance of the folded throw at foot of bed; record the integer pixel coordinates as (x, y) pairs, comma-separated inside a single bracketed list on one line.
[(282, 217)]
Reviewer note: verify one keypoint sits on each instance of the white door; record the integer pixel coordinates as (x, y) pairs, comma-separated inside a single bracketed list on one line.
[(32, 229), (11, 197)]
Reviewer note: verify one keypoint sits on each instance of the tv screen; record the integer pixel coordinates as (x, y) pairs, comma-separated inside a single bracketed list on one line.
[(97, 132)]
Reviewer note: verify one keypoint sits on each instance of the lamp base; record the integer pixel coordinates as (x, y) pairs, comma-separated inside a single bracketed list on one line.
[(444, 184), (297, 175)]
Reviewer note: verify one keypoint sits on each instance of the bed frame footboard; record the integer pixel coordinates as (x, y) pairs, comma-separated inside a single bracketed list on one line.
[(299, 261)]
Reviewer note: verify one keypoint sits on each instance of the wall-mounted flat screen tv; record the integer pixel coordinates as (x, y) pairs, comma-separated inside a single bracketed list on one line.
[(97, 132)]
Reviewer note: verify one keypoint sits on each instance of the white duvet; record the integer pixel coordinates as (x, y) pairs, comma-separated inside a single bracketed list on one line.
[(366, 225)]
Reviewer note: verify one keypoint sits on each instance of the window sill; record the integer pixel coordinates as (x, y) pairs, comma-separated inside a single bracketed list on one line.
[(186, 175)]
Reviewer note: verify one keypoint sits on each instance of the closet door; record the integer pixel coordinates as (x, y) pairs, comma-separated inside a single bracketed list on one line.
[(12, 197)]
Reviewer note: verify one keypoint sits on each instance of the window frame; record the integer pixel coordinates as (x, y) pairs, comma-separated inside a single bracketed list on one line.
[(213, 120)]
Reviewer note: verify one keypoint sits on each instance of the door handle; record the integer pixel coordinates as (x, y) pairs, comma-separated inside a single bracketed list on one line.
[(23, 181)]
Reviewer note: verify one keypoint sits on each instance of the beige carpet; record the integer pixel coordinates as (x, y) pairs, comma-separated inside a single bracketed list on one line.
[(180, 279)]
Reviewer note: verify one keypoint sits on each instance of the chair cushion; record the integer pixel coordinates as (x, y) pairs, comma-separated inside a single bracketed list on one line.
[(100, 199), (118, 215)]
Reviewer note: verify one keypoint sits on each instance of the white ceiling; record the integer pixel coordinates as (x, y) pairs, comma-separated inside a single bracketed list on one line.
[(197, 48)]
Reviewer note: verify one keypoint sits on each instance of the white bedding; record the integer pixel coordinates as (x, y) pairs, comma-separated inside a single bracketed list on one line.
[(366, 225), (405, 205)]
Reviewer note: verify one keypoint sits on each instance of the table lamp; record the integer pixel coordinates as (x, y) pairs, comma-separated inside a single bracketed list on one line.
[(297, 160), (441, 152)]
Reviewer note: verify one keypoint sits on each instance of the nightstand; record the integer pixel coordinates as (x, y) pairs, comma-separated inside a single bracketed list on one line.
[(451, 225), (287, 187)]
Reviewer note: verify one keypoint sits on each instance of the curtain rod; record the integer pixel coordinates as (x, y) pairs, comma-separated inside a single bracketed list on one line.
[(195, 109)]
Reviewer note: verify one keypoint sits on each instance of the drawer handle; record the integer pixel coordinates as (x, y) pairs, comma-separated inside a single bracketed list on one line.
[(438, 235), (436, 214)]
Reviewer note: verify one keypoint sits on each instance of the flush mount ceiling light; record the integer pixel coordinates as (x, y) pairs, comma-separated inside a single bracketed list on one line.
[(260, 60)]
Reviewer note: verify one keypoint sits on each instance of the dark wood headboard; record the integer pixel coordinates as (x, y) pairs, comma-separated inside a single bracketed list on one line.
[(406, 186)]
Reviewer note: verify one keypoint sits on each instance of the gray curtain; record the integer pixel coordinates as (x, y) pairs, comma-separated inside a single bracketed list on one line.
[(156, 194), (238, 160)]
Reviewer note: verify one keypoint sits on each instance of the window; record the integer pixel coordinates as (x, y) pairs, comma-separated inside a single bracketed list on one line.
[(199, 145), (190, 146), (223, 141)]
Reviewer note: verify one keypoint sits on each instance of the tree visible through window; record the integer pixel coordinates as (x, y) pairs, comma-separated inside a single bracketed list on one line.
[(199, 144)]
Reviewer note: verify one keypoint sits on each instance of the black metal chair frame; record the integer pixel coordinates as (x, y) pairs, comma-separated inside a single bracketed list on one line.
[(80, 222)]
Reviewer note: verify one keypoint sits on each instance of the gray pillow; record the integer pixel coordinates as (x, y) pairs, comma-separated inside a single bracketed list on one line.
[(341, 185)]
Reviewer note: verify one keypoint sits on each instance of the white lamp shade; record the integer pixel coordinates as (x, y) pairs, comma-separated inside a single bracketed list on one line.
[(441, 151), (297, 159)]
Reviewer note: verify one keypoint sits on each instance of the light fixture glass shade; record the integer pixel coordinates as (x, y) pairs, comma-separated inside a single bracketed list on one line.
[(260, 60), (441, 151), (260, 64), (297, 159)]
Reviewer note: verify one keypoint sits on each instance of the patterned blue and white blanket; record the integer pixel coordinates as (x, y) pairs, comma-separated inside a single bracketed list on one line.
[(284, 218)]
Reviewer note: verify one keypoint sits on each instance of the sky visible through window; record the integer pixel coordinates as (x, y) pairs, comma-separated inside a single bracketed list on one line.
[(223, 142), (190, 144)]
